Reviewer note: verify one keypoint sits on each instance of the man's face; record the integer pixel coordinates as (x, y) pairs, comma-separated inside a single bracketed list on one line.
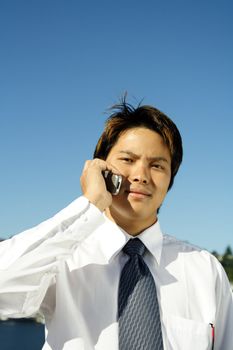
[(142, 157)]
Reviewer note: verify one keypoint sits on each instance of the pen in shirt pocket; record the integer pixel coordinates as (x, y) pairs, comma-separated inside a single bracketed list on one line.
[(212, 335)]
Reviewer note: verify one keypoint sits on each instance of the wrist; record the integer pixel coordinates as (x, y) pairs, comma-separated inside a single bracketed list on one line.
[(100, 203)]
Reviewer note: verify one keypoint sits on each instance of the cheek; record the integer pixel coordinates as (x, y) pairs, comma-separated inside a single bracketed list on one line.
[(161, 181)]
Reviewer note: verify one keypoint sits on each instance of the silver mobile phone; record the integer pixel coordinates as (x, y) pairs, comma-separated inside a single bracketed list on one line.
[(113, 182)]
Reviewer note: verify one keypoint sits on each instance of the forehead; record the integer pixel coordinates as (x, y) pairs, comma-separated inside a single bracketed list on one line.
[(141, 140)]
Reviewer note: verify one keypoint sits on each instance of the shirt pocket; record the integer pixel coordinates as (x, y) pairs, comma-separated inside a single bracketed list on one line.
[(183, 334)]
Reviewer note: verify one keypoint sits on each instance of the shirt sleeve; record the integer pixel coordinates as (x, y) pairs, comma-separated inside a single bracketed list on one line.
[(29, 261), (224, 316)]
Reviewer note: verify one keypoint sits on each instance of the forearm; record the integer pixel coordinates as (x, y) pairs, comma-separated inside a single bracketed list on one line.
[(30, 260)]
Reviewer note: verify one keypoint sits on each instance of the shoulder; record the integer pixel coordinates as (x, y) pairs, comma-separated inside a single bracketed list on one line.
[(185, 246), (196, 268), (190, 253)]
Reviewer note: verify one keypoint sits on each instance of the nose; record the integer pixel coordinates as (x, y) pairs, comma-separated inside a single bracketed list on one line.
[(140, 174)]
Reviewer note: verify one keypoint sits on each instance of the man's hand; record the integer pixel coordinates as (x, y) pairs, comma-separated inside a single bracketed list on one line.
[(93, 183)]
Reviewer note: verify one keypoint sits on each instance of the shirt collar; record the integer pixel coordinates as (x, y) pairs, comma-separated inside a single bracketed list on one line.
[(113, 238), (152, 238)]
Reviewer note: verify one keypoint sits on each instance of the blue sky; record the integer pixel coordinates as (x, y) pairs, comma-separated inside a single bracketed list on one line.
[(63, 63)]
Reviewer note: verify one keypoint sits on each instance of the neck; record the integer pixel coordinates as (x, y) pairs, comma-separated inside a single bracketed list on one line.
[(132, 226)]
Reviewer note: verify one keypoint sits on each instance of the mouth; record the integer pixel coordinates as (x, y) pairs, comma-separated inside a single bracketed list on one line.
[(138, 193)]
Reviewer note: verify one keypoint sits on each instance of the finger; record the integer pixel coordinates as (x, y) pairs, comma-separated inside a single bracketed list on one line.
[(86, 164), (113, 169)]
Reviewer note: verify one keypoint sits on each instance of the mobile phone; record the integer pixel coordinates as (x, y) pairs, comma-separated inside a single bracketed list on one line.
[(113, 182)]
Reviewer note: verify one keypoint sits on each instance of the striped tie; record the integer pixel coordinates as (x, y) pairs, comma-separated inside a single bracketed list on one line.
[(138, 309)]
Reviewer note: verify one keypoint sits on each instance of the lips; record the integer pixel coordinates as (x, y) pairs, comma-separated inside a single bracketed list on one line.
[(139, 192)]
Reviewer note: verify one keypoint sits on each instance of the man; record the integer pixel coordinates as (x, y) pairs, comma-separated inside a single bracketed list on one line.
[(70, 267)]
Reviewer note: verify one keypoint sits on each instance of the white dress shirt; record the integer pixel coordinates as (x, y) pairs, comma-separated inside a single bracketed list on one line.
[(69, 266)]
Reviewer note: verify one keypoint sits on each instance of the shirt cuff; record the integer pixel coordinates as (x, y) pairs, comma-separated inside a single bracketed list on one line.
[(90, 218)]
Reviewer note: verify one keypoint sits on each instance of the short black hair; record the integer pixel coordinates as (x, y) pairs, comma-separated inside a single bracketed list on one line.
[(124, 116)]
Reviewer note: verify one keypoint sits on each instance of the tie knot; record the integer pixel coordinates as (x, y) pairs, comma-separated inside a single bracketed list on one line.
[(134, 246)]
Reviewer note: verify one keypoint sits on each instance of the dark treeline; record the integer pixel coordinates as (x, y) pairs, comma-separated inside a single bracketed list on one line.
[(227, 261)]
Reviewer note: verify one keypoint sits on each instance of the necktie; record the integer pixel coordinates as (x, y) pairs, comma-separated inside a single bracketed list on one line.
[(138, 310)]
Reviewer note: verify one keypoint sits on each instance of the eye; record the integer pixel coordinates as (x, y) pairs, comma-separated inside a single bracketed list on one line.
[(157, 166), (127, 159)]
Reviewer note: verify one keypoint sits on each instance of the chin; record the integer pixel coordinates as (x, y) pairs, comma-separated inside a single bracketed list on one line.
[(136, 214)]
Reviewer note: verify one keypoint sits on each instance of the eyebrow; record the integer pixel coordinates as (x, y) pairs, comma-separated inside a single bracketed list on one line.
[(157, 159)]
